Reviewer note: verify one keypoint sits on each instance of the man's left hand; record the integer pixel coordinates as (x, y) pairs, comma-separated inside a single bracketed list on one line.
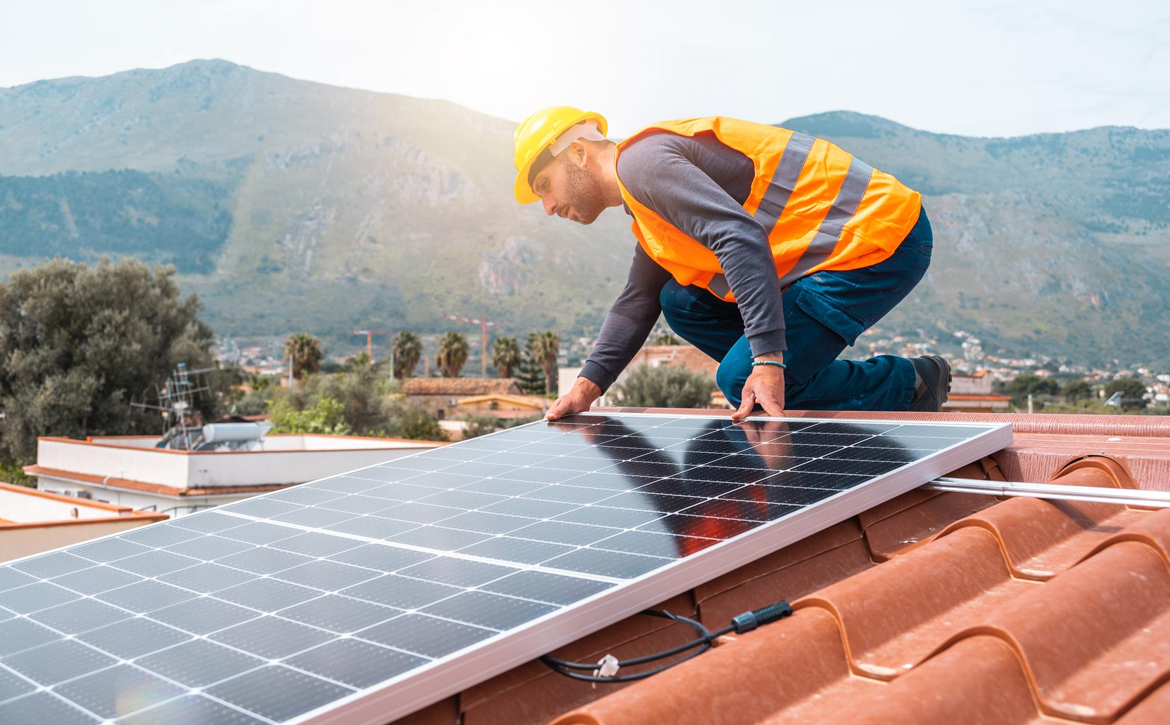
[(764, 386)]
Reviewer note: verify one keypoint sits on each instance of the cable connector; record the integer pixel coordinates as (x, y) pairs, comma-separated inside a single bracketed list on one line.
[(606, 671), (748, 621), (608, 667)]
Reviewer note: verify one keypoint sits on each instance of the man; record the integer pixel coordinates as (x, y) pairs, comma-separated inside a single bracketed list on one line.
[(749, 237)]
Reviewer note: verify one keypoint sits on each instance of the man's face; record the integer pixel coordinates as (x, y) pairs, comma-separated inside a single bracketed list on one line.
[(568, 190)]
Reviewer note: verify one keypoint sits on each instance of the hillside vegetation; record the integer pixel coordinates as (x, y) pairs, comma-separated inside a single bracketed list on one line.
[(289, 206)]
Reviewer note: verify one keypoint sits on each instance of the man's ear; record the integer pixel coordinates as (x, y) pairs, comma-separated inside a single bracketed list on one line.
[(579, 154)]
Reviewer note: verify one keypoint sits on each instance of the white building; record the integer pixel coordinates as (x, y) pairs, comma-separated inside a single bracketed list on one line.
[(130, 471), (35, 521)]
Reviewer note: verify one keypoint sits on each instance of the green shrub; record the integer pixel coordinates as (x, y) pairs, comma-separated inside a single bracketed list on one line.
[(664, 387), (325, 415)]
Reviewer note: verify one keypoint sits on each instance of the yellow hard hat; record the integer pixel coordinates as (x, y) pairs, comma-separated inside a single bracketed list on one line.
[(536, 135)]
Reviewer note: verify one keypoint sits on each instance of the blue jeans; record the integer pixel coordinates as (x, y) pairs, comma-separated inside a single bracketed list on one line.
[(824, 312)]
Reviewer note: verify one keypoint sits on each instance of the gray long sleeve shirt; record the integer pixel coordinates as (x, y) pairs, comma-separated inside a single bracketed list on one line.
[(699, 185)]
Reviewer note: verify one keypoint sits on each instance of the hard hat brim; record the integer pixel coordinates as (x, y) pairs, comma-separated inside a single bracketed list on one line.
[(522, 189)]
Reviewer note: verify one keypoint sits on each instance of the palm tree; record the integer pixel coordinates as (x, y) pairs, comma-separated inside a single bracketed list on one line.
[(544, 348), (304, 351), (258, 381), (506, 355), (453, 350), (666, 338), (407, 352)]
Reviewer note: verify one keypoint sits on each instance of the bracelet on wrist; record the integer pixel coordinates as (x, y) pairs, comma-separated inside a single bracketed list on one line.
[(777, 363)]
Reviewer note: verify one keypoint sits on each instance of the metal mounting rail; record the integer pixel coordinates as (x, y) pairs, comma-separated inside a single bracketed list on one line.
[(1051, 491)]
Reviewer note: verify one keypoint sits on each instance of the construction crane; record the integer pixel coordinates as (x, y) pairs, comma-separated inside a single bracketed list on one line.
[(484, 324), (369, 341)]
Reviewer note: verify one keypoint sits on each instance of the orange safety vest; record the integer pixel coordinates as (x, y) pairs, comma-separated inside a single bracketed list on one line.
[(822, 208)]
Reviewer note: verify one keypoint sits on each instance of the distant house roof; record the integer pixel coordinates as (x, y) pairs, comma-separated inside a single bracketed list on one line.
[(461, 386), (530, 401)]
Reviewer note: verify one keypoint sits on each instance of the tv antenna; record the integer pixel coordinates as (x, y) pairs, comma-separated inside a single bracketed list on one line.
[(176, 402)]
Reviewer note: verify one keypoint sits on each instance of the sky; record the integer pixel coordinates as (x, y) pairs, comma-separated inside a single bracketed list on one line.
[(986, 68)]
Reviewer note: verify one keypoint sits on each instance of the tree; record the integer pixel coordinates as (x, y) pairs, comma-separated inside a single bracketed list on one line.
[(544, 348), (304, 353), (414, 423), (529, 376), (506, 356), (361, 393), (324, 416), (359, 402), (1077, 390), (1132, 391), (258, 381), (408, 351), (452, 355), (663, 387), (78, 343), (667, 338), (361, 360), (1034, 385), (479, 425)]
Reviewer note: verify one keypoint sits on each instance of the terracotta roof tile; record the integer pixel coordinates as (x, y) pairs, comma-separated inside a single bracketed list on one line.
[(1150, 711), (1095, 637), (896, 614), (993, 690), (969, 610)]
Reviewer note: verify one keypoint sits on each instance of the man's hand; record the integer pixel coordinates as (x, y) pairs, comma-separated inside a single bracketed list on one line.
[(577, 400), (765, 386)]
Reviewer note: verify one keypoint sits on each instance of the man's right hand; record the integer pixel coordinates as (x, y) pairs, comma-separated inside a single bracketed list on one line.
[(577, 400)]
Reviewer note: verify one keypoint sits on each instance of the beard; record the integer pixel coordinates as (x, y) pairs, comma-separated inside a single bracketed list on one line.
[(586, 199)]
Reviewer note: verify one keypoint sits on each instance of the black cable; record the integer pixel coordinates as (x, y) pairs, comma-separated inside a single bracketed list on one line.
[(741, 624)]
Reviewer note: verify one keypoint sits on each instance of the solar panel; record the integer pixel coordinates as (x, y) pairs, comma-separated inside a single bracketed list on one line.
[(376, 592)]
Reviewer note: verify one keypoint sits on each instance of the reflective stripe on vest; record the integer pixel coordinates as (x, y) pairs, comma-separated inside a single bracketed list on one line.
[(821, 208)]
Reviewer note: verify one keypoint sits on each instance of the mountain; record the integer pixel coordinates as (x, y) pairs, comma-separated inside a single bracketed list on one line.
[(289, 205)]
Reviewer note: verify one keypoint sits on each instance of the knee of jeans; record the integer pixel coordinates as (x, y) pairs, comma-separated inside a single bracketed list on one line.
[(730, 380)]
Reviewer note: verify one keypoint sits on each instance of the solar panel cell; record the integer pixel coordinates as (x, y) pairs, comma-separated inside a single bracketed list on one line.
[(145, 596), (81, 615), (270, 637), (134, 637), (277, 693), (426, 636), (190, 710), (356, 663), (57, 661), (17, 635), (43, 707), (199, 663), (117, 691), (12, 686)]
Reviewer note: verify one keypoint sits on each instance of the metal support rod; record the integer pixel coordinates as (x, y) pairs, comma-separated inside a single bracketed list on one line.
[(1052, 491)]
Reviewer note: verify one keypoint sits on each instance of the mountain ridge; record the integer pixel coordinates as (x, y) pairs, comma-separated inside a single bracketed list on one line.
[(347, 208)]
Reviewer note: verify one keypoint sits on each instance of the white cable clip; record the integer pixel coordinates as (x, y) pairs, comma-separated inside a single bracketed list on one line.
[(608, 667)]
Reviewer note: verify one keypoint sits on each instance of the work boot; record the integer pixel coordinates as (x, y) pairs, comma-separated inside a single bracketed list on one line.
[(934, 383)]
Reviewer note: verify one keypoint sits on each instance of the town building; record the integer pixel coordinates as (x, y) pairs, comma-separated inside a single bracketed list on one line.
[(440, 396), (972, 394), (130, 471), (502, 407), (33, 521)]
